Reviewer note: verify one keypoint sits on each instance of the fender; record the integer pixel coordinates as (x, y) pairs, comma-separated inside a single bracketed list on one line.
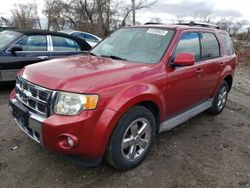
[(228, 70), (135, 94), (12, 94)]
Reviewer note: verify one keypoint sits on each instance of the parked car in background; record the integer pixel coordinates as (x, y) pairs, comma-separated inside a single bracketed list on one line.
[(90, 38), (2, 28), (19, 48), (136, 83)]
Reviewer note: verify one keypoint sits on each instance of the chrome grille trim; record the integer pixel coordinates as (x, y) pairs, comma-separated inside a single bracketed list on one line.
[(33, 96)]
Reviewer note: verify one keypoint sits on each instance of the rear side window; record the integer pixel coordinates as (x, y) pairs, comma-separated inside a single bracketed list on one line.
[(189, 42), (227, 43), (210, 46), (62, 44)]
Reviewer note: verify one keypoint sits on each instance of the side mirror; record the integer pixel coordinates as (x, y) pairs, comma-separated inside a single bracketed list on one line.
[(16, 48), (184, 59)]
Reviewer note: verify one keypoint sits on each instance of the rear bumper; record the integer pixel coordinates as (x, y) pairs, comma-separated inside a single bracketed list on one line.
[(92, 128)]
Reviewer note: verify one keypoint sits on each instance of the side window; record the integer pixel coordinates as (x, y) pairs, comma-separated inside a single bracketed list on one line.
[(189, 42), (34, 43), (90, 38), (62, 44), (227, 43), (210, 46)]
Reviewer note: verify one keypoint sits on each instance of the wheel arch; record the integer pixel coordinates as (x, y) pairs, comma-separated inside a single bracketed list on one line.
[(154, 108), (229, 80), (144, 95), (226, 75)]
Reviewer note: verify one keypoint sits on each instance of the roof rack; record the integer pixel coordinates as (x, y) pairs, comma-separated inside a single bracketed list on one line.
[(202, 24), (153, 23), (192, 23)]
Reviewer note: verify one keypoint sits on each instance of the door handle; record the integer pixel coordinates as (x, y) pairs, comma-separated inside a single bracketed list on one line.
[(222, 64), (199, 70), (43, 57)]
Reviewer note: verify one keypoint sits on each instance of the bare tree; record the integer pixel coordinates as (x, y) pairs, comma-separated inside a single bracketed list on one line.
[(89, 15), (232, 27), (56, 12), (96, 16), (25, 16), (5, 22), (136, 5), (180, 18), (205, 15), (133, 11), (156, 20)]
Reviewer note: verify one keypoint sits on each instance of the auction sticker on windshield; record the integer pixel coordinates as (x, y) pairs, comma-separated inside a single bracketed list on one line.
[(157, 31)]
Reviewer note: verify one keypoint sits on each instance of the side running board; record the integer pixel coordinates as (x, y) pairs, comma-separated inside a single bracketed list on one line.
[(181, 118)]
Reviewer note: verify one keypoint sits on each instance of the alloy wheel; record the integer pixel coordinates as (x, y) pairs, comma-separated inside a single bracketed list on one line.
[(136, 139)]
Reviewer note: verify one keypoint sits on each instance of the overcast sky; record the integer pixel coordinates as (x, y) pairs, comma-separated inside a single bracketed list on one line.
[(170, 9)]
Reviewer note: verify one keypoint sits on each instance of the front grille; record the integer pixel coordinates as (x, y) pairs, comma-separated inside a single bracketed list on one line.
[(34, 97)]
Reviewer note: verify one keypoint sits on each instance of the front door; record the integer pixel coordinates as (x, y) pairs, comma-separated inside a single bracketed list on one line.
[(34, 49), (185, 83)]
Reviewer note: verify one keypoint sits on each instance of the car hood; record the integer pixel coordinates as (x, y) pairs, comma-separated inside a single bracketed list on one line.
[(78, 73)]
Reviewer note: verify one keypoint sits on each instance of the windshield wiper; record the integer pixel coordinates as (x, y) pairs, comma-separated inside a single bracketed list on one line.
[(91, 53), (114, 57)]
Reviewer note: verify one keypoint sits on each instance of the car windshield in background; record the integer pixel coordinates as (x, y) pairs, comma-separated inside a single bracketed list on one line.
[(143, 45), (6, 37)]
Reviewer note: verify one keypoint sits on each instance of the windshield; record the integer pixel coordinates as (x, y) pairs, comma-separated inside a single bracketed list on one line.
[(6, 37), (143, 45)]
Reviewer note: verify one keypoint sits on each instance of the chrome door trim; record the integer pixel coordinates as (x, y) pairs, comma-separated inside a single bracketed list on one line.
[(49, 43)]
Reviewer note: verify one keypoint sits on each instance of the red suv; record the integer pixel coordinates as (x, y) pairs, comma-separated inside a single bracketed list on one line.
[(112, 102)]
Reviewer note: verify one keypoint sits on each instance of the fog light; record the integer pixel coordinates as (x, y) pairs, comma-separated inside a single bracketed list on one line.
[(67, 141), (70, 141)]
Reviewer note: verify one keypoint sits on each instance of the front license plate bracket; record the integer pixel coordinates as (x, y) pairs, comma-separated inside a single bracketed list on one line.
[(21, 113)]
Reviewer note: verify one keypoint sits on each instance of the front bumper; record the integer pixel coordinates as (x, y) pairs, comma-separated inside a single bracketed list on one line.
[(92, 128), (34, 127)]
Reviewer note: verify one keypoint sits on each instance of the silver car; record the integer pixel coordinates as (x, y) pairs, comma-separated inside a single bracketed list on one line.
[(88, 37)]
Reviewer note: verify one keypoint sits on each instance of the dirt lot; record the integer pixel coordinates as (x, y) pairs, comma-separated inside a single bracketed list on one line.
[(207, 151)]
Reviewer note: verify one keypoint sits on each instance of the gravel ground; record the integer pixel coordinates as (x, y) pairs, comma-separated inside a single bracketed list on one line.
[(207, 151)]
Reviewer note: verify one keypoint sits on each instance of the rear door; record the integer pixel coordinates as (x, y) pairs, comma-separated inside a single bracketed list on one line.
[(213, 62), (63, 46)]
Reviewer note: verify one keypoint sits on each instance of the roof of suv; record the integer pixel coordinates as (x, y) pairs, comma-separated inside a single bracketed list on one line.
[(184, 27)]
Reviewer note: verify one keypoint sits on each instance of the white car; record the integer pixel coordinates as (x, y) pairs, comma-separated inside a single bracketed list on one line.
[(88, 37)]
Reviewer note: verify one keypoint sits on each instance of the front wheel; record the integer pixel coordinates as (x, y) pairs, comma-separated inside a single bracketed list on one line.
[(132, 139), (220, 99)]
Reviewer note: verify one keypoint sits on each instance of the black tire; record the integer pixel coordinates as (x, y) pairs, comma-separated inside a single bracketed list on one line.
[(115, 152), (215, 109)]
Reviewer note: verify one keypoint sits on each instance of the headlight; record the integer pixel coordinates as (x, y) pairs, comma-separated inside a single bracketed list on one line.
[(73, 104)]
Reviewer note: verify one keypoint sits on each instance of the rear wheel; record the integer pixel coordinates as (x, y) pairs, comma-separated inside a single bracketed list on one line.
[(132, 139), (220, 99)]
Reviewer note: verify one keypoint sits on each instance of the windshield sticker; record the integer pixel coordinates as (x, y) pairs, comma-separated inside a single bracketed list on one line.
[(157, 31)]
